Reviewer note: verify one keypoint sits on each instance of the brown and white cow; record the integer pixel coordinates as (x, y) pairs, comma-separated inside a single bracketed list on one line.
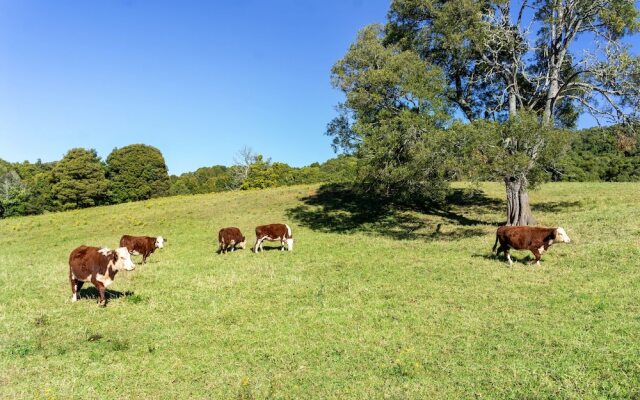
[(533, 238), (230, 238), (273, 232), (144, 245), (98, 266)]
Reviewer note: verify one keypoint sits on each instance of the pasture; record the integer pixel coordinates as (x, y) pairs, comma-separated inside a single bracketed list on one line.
[(374, 301)]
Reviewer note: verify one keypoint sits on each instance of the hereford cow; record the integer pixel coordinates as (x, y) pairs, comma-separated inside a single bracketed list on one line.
[(230, 238), (273, 232), (144, 245), (98, 266), (535, 239)]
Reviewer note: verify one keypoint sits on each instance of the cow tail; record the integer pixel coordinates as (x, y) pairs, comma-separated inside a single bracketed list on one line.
[(495, 245)]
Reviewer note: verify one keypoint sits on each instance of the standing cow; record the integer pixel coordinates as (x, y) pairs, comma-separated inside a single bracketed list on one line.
[(144, 245), (273, 232), (230, 238), (535, 239), (98, 266)]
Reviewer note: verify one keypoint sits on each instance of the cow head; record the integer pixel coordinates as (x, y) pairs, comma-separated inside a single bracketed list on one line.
[(160, 242), (290, 244), (122, 259), (242, 244), (561, 235)]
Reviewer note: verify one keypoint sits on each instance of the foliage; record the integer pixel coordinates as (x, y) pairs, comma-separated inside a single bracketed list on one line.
[(501, 57), (602, 154), (78, 181), (203, 180), (137, 172), (393, 99), (520, 147)]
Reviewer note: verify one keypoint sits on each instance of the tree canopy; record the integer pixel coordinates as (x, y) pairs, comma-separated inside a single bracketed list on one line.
[(137, 172), (79, 181)]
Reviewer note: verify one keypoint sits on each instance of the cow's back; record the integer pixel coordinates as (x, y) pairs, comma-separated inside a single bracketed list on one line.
[(226, 235)]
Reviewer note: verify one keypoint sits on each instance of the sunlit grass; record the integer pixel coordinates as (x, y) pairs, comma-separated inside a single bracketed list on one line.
[(392, 307)]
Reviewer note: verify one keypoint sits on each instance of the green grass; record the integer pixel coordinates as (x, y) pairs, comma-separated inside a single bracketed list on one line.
[(372, 303)]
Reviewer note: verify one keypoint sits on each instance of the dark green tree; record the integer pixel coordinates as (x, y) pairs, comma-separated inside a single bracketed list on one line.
[(78, 181), (392, 118), (137, 172)]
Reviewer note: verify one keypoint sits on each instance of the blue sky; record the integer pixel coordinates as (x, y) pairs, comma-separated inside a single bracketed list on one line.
[(197, 79)]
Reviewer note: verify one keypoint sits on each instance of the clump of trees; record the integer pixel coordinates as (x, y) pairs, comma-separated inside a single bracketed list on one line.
[(510, 71), (81, 179), (138, 172)]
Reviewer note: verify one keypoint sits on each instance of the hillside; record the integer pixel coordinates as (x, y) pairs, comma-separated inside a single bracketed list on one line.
[(372, 303)]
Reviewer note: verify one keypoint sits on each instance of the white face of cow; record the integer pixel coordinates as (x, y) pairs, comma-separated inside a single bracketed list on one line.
[(159, 242), (124, 259), (241, 245), (561, 235), (290, 244)]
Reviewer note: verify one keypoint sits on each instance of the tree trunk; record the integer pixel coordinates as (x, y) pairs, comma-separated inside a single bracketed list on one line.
[(518, 210)]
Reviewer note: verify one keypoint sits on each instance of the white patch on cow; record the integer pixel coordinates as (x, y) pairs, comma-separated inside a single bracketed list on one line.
[(290, 244), (135, 253), (538, 263), (106, 281), (160, 242), (74, 297), (510, 260), (124, 260), (241, 245), (562, 235), (288, 230), (541, 250), (104, 251)]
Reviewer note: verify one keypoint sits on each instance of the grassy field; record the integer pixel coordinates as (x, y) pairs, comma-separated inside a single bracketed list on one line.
[(373, 302)]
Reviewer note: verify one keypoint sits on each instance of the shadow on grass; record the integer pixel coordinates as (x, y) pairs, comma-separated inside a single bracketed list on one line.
[(338, 208), (92, 293), (555, 206)]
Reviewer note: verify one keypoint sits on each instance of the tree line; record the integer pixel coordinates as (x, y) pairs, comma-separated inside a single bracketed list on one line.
[(138, 172)]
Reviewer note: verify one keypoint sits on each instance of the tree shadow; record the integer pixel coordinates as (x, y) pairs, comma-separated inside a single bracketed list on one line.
[(92, 293), (556, 206), (338, 208)]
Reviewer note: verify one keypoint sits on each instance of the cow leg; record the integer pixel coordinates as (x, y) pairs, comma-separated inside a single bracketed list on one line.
[(76, 285), (256, 247), (536, 254), (282, 244), (144, 258), (506, 252), (76, 294), (101, 290)]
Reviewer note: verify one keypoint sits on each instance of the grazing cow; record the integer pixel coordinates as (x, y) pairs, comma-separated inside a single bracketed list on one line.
[(535, 239), (144, 245), (273, 232), (230, 238), (98, 266)]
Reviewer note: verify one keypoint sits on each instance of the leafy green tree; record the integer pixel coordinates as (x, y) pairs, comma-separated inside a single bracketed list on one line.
[(494, 69), (261, 175), (393, 99), (78, 181), (137, 172), (520, 151), (202, 180)]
